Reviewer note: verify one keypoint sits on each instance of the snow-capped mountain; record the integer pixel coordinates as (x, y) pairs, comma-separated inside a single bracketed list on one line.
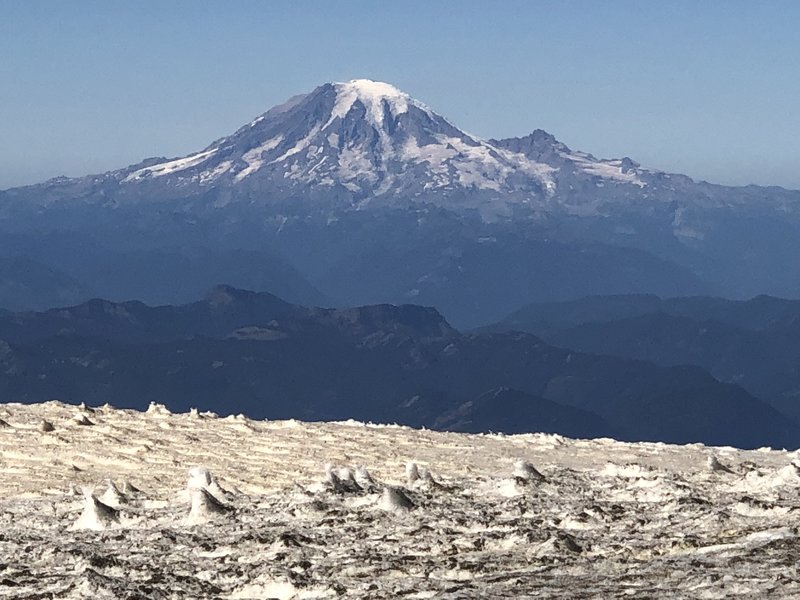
[(367, 136), (374, 144), (373, 197), (366, 143)]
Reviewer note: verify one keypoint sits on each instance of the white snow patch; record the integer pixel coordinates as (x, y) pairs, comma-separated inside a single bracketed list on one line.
[(172, 166), (354, 163), (479, 164), (299, 146), (96, 515), (607, 169), (216, 172), (255, 157)]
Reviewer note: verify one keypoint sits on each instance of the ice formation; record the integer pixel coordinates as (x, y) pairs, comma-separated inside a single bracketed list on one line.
[(715, 465), (341, 480), (96, 515), (395, 500), (364, 479), (112, 496), (525, 470), (412, 473), (81, 419), (205, 506), (201, 478)]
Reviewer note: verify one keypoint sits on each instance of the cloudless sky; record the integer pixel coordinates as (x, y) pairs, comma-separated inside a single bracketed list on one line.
[(706, 88)]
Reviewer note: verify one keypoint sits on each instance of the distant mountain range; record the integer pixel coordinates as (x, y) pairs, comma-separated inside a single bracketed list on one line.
[(357, 193), (238, 351), (754, 343), (29, 284)]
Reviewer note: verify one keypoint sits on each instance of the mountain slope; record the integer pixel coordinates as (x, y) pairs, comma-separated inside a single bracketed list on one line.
[(762, 313), (157, 273), (752, 343), (513, 411), (26, 284)]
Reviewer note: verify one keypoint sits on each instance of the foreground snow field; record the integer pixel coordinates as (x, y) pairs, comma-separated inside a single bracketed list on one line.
[(120, 504)]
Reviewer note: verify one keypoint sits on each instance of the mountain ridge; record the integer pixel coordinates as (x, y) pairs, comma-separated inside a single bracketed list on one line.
[(752, 343), (238, 351)]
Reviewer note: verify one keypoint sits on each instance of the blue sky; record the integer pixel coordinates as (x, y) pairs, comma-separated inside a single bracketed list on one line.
[(710, 89)]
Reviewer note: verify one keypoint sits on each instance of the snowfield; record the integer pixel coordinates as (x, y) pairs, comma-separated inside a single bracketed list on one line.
[(107, 503)]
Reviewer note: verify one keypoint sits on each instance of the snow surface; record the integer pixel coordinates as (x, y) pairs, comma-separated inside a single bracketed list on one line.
[(453, 160), (375, 96), (172, 166), (210, 507), (605, 169)]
